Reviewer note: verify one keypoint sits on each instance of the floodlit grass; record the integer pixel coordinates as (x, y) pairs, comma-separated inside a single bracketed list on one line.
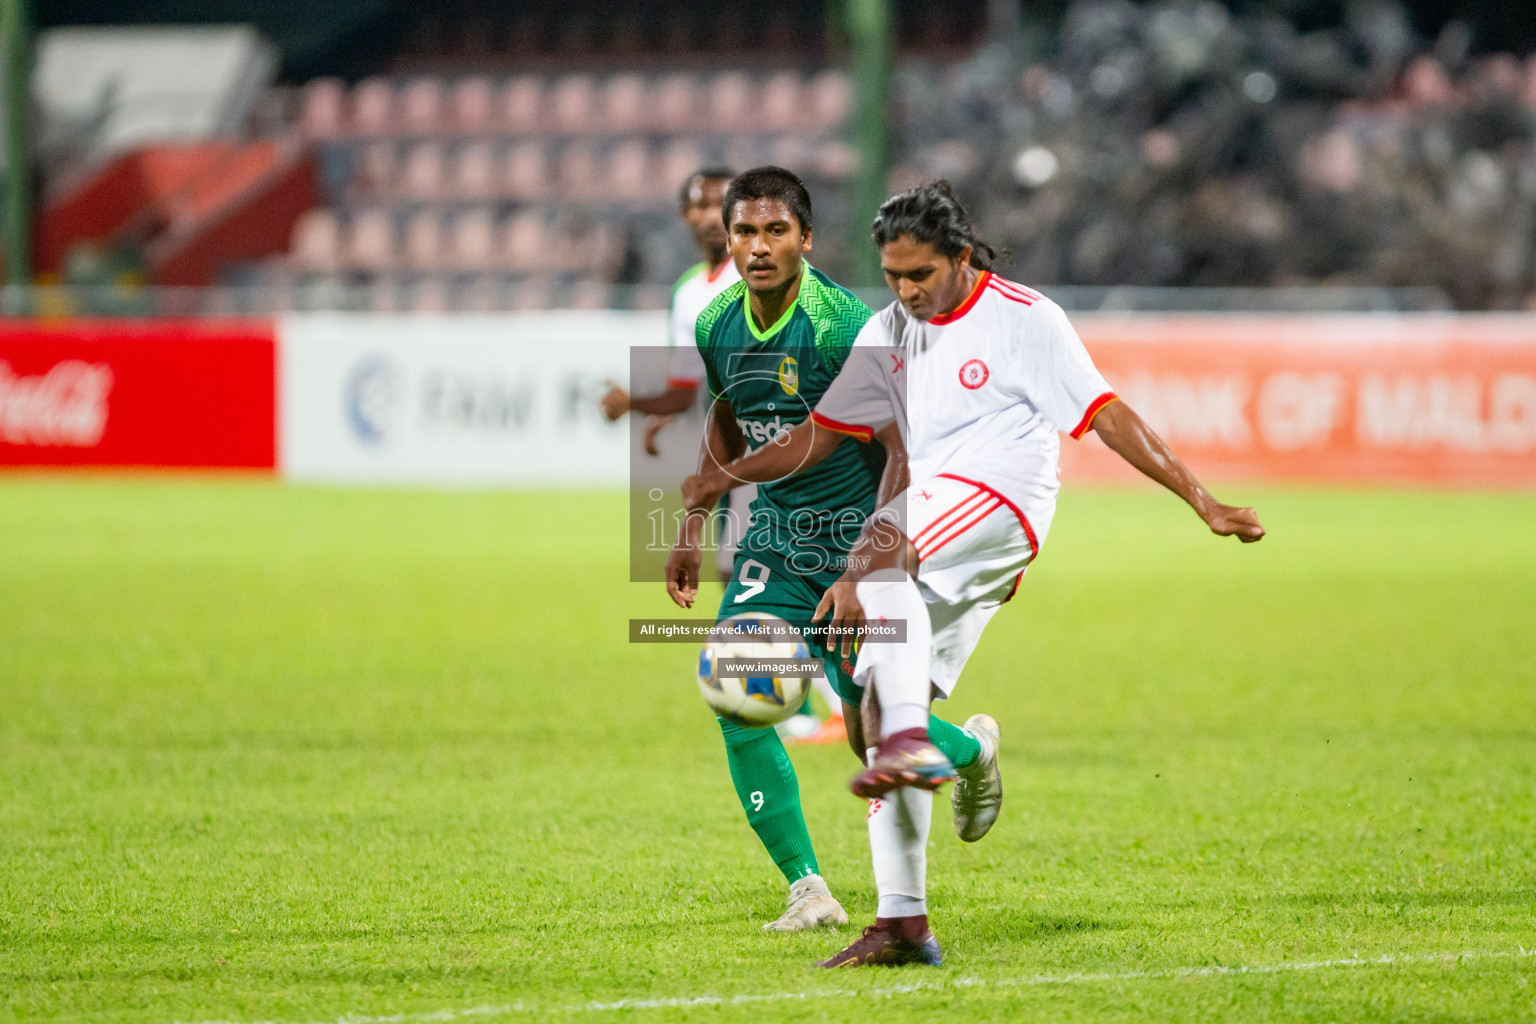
[(282, 754)]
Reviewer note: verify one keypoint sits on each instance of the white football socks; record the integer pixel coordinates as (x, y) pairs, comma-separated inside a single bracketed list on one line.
[(900, 669), (898, 841)]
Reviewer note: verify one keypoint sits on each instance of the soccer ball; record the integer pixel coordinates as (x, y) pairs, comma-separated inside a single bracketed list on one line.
[(753, 699)]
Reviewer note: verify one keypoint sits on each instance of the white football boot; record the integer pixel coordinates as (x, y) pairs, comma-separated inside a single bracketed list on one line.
[(811, 905), (978, 793)]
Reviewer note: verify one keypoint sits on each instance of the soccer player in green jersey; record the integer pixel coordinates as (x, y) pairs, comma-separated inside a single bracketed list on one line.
[(771, 345)]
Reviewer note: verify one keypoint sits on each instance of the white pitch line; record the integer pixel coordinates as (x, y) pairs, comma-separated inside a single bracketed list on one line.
[(937, 985)]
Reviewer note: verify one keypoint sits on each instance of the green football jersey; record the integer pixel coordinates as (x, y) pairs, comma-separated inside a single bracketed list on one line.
[(772, 380)]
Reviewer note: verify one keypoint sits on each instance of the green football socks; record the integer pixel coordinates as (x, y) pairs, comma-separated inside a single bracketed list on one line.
[(955, 743), (769, 793)]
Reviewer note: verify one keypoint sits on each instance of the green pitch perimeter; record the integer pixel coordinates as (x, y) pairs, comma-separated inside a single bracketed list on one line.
[(279, 754)]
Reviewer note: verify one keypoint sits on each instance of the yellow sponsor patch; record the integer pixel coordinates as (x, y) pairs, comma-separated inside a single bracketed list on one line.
[(789, 375)]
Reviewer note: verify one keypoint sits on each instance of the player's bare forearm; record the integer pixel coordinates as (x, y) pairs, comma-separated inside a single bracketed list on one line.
[(792, 451), (670, 402), (1129, 436), (897, 475)]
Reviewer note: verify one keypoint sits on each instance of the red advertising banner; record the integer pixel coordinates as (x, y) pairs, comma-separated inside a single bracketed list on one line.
[(1423, 398), (137, 393)]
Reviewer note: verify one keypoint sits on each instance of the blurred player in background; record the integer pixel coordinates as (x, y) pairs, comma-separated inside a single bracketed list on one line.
[(699, 205), (771, 345), (989, 372)]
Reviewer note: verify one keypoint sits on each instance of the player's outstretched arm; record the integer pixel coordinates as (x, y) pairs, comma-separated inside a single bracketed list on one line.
[(1128, 435), (791, 451), (616, 401), (722, 441)]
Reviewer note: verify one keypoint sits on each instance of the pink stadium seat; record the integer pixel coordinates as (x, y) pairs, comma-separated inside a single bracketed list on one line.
[(384, 295), (629, 167), (472, 105), (532, 295), (482, 295), (423, 177), (423, 244), (522, 104), (573, 104), (317, 240), (522, 243), (370, 241), (373, 107), (376, 169), (430, 295), (587, 295), (675, 103), (421, 106), (624, 100), (474, 172), (831, 97), (681, 159), (525, 171), (472, 240), (577, 176), (323, 108), (780, 109), (730, 101)]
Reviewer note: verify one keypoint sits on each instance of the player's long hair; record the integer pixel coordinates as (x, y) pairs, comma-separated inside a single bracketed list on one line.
[(932, 214)]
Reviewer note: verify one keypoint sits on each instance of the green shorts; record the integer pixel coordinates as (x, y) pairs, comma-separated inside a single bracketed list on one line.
[(762, 582)]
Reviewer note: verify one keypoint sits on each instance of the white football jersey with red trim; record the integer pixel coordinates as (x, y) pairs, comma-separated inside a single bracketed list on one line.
[(980, 393), (696, 289)]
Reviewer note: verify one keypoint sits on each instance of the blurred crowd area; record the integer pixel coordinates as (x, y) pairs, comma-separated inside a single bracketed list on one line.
[(1178, 143), (536, 162)]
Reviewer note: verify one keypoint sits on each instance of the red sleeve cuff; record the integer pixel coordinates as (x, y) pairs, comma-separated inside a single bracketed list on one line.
[(1093, 410), (852, 430), (682, 382)]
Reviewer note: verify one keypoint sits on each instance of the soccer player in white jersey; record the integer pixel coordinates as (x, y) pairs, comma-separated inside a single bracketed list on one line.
[(981, 374)]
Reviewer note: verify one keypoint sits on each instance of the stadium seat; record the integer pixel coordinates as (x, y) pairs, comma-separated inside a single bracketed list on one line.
[(370, 241), (624, 100), (522, 104), (629, 167), (384, 295), (472, 105), (830, 96), (323, 108), (471, 239), (674, 105), (422, 246), (521, 245), (525, 171), (573, 103), (730, 102), (421, 106), (680, 159), (532, 294), (317, 240), (373, 107), (780, 109), (586, 295), (474, 172), (577, 176), (429, 295), (376, 168), (481, 294), (422, 176)]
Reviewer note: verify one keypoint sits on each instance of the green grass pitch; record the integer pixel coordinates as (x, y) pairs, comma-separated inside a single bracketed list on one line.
[(299, 755)]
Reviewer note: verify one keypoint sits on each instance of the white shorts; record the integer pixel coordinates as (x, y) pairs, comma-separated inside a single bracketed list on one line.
[(972, 550)]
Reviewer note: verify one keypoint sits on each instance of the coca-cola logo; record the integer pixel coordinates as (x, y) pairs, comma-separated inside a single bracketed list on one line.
[(65, 407)]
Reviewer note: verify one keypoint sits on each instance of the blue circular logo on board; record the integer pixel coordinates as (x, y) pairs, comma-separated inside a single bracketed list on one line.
[(372, 398)]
